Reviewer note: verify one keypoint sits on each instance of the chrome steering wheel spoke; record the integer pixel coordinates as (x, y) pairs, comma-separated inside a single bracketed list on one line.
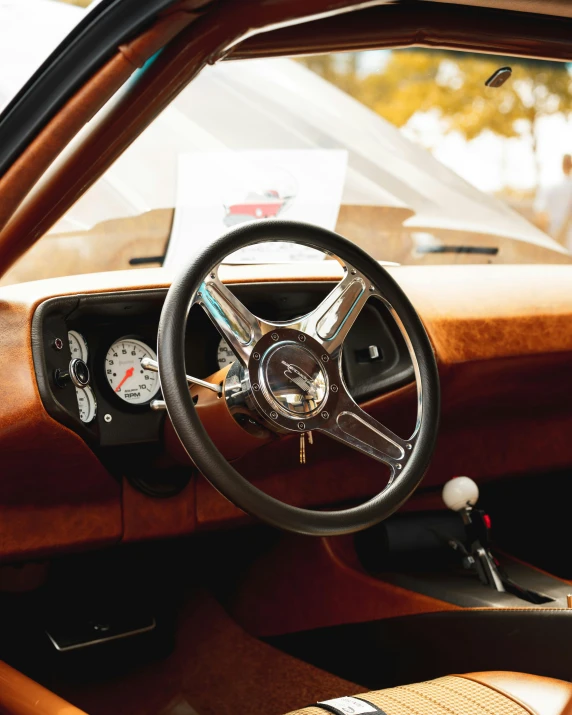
[(241, 328), (333, 318), (354, 427)]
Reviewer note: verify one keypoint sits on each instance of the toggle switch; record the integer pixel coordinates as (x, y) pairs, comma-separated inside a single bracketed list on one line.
[(370, 354)]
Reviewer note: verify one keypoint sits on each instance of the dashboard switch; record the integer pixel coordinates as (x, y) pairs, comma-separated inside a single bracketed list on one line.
[(77, 373), (370, 354)]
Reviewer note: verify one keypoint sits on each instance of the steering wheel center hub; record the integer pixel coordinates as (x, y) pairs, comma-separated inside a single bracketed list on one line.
[(294, 383), (294, 380)]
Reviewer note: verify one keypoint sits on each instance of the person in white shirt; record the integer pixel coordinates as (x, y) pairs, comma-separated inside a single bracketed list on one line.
[(555, 207)]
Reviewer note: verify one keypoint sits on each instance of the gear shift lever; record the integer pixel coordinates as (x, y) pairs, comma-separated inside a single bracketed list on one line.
[(461, 494)]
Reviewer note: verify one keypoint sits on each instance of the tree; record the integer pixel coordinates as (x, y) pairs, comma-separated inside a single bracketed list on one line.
[(81, 3), (340, 69), (452, 85)]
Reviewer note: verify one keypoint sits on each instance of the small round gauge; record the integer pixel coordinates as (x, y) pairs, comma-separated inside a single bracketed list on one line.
[(224, 355), (87, 403), (78, 346), (124, 373)]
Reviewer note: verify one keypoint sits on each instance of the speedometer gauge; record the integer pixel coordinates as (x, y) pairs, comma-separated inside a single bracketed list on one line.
[(124, 373)]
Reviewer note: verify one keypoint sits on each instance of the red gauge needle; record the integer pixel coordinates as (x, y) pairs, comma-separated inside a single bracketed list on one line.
[(127, 375)]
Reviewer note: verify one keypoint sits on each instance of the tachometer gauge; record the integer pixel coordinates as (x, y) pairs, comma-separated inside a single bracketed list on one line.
[(87, 404), (124, 373), (224, 354), (78, 346)]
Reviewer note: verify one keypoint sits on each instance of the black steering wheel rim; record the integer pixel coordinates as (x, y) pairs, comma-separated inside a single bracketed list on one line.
[(194, 437)]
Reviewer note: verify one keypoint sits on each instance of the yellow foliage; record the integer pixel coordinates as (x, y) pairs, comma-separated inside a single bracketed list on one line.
[(452, 85), (81, 3)]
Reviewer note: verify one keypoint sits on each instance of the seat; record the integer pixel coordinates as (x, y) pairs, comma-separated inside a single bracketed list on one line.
[(492, 693)]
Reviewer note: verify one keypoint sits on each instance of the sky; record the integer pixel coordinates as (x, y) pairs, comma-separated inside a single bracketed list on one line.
[(29, 32), (491, 163)]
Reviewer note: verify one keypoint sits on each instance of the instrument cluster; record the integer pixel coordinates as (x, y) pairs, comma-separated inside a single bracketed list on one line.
[(95, 359), (123, 372)]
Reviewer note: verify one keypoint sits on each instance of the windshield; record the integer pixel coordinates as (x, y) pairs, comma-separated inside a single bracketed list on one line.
[(30, 30), (408, 153)]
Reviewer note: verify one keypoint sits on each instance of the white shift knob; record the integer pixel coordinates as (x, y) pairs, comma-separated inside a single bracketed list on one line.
[(459, 493)]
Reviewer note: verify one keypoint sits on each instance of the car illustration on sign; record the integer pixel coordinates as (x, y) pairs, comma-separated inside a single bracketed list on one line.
[(256, 205)]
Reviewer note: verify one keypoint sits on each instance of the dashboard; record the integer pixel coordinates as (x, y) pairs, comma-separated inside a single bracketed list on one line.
[(88, 353), (503, 340)]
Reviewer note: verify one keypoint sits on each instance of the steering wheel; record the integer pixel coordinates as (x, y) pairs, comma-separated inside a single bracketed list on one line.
[(292, 375)]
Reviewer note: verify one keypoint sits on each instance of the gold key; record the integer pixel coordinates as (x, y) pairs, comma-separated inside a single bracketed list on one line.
[(310, 438), (303, 448)]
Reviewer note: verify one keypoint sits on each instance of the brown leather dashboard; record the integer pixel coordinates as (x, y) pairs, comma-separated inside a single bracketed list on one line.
[(503, 339)]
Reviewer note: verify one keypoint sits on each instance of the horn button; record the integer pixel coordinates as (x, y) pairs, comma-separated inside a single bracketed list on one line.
[(293, 380)]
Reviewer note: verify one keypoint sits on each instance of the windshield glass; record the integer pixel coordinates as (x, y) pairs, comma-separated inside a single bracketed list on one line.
[(30, 30), (407, 152)]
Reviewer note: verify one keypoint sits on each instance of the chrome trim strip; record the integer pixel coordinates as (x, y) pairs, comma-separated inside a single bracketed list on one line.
[(97, 641)]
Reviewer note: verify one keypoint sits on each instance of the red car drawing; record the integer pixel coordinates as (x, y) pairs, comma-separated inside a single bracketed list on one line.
[(256, 205)]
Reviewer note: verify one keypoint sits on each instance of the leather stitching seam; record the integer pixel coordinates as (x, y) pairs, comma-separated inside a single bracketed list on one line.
[(439, 684), (424, 696), (400, 704), (502, 692)]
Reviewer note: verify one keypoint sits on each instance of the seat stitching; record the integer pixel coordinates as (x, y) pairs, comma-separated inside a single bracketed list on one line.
[(510, 696), (431, 700), (401, 704), (463, 695)]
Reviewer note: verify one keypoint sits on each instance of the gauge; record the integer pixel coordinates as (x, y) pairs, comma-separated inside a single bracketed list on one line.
[(78, 346), (124, 373), (87, 403), (224, 355)]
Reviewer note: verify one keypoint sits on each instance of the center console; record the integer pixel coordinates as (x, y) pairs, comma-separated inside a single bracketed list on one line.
[(420, 595), (449, 556)]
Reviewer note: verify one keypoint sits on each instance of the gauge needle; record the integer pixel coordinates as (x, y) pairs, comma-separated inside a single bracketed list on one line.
[(128, 374)]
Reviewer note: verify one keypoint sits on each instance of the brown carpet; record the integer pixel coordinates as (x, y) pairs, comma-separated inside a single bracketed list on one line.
[(215, 669)]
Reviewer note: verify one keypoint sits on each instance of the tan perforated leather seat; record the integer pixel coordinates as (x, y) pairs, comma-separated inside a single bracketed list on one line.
[(494, 693)]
